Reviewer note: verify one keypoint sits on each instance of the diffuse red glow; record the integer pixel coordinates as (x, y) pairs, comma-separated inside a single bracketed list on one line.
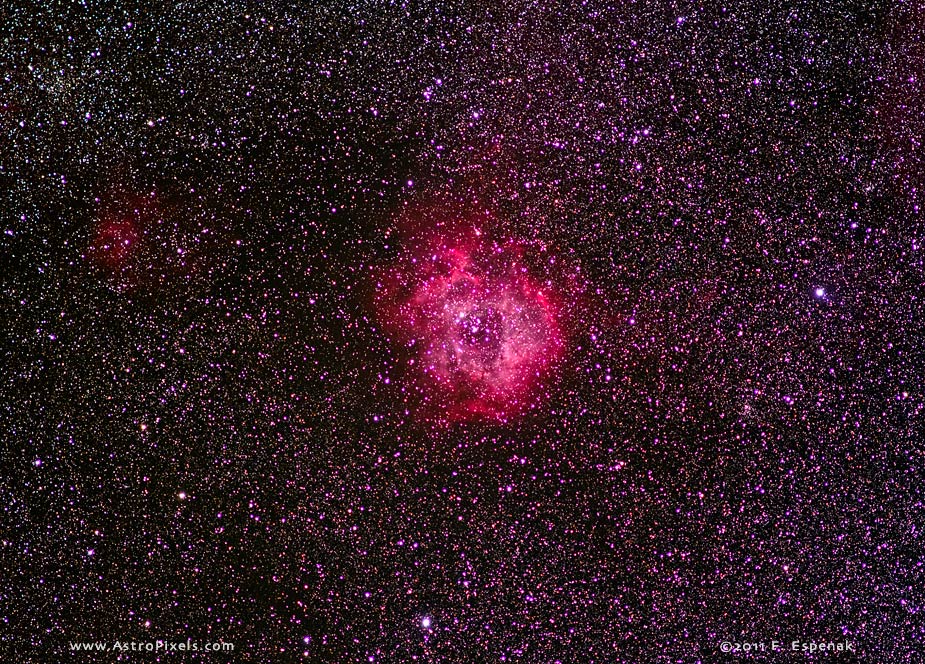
[(143, 241), (482, 331), (115, 240), (119, 230)]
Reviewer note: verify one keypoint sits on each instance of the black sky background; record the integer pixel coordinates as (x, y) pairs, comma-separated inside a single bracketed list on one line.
[(751, 471)]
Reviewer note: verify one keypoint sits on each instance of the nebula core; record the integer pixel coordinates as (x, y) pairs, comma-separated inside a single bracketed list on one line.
[(483, 331)]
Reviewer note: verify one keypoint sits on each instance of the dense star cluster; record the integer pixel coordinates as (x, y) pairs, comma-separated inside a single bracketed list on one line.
[(393, 332)]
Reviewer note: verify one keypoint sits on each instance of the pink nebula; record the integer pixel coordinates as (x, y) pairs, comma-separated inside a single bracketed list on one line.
[(482, 331)]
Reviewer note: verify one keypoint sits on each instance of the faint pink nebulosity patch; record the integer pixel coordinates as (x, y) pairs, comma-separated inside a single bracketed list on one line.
[(123, 220), (115, 241), (483, 333)]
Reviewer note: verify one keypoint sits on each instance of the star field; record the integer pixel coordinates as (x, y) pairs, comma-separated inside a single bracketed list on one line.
[(394, 332)]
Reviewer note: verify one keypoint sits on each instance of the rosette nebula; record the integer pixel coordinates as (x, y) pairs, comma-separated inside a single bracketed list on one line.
[(482, 330)]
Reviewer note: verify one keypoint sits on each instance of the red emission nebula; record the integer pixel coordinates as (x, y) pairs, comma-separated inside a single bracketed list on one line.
[(483, 331)]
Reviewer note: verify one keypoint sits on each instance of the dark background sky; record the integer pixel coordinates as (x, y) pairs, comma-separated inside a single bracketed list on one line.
[(196, 442)]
